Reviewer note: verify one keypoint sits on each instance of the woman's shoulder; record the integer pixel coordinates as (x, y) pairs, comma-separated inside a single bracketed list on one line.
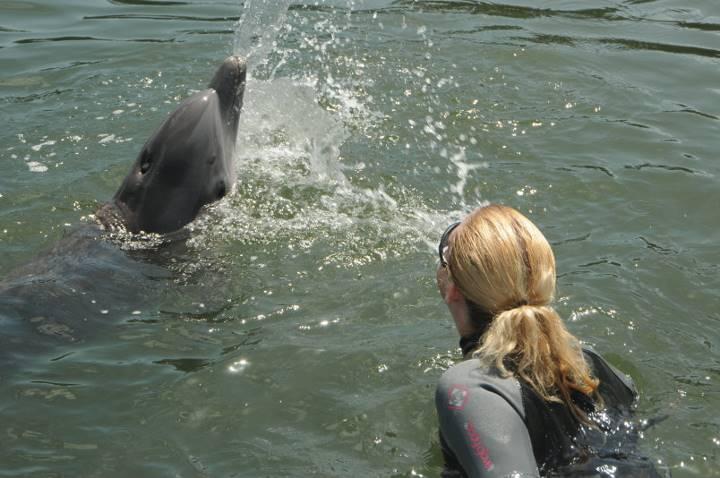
[(472, 378), (473, 371), (480, 412)]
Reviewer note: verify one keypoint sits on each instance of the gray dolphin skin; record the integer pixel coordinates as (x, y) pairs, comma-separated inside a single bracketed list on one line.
[(187, 163)]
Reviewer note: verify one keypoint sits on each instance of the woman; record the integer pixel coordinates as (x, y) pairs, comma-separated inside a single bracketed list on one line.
[(525, 402)]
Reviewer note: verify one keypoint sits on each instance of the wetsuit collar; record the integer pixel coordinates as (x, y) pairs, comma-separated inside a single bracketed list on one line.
[(469, 343)]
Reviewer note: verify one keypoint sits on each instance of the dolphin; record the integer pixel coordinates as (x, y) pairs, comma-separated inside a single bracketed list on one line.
[(187, 163)]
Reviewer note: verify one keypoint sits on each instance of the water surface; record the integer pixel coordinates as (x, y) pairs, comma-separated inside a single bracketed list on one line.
[(298, 331)]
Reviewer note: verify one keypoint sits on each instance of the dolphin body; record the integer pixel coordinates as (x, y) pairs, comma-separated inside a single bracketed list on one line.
[(187, 163)]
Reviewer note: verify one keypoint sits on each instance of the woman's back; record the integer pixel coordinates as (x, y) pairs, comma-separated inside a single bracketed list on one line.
[(498, 426)]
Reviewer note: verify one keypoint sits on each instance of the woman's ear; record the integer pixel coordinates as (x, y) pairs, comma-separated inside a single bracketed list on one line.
[(452, 293)]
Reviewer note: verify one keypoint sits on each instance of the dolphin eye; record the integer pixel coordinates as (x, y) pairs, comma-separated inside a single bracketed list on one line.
[(212, 159), (145, 162)]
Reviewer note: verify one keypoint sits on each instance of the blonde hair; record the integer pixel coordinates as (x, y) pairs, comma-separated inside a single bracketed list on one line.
[(502, 263)]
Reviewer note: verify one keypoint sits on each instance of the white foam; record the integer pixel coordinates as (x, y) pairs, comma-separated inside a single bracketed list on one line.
[(36, 167), (40, 146)]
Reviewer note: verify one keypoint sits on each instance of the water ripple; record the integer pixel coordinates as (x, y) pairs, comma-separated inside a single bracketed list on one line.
[(688, 109), (78, 38), (708, 27), (658, 248), (665, 167), (582, 238), (511, 11), (72, 64), (147, 2), (593, 167), (662, 47), (187, 365), (11, 30), (601, 262), (34, 97), (139, 16)]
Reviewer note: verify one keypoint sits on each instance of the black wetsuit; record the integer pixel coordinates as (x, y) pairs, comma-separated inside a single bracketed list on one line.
[(495, 427)]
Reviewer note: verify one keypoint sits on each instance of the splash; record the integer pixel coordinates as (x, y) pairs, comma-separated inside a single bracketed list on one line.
[(283, 128), (307, 112), (258, 29)]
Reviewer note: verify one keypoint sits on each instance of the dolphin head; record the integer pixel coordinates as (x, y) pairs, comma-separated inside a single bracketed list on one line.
[(188, 162)]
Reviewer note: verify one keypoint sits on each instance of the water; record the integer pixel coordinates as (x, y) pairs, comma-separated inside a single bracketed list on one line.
[(298, 330)]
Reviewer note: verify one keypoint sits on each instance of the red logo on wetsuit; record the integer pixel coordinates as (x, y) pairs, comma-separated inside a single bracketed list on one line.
[(478, 447), (457, 397)]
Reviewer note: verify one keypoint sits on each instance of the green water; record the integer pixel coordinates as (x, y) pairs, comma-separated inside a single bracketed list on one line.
[(298, 331)]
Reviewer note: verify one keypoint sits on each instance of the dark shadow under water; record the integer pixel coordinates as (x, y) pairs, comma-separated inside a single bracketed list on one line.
[(86, 283)]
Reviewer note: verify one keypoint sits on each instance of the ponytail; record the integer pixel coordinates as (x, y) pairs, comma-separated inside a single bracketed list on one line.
[(532, 343)]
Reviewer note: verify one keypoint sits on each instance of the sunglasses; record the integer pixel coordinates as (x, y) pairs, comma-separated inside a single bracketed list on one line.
[(444, 242)]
